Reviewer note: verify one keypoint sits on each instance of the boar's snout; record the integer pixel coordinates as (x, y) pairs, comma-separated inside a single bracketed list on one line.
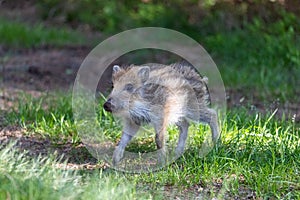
[(108, 105)]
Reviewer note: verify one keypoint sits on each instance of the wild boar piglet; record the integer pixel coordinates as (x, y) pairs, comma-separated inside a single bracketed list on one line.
[(159, 95)]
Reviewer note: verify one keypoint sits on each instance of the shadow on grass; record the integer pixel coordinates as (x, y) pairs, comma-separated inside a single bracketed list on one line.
[(70, 155)]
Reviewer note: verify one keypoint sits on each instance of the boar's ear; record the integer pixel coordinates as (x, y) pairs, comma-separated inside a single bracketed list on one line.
[(116, 68), (144, 73)]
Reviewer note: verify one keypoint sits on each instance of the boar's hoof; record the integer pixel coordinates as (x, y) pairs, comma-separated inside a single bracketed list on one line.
[(162, 158), (117, 156), (179, 151)]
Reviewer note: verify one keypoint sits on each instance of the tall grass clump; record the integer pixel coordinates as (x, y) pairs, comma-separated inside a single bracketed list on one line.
[(49, 115), (44, 178)]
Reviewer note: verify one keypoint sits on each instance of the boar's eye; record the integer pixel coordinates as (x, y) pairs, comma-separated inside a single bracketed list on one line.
[(128, 87)]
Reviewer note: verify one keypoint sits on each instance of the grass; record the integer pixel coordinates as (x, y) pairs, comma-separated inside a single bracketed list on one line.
[(17, 34), (259, 155)]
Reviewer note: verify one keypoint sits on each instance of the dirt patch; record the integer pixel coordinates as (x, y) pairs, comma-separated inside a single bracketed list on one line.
[(37, 71), (41, 69)]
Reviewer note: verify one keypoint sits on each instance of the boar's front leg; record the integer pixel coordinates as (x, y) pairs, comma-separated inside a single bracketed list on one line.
[(183, 126), (160, 142), (129, 130)]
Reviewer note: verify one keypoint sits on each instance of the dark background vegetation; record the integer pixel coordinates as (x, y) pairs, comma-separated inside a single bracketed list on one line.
[(191, 17)]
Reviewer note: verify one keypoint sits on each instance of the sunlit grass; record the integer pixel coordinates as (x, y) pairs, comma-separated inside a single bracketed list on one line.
[(49, 116)]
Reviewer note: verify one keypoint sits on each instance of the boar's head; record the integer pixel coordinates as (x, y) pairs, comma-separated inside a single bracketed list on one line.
[(126, 84)]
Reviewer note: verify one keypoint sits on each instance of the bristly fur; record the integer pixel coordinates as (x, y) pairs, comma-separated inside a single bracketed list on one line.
[(140, 116)]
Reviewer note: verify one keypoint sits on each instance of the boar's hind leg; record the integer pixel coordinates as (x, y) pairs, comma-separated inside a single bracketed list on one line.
[(183, 126), (210, 116), (128, 132)]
